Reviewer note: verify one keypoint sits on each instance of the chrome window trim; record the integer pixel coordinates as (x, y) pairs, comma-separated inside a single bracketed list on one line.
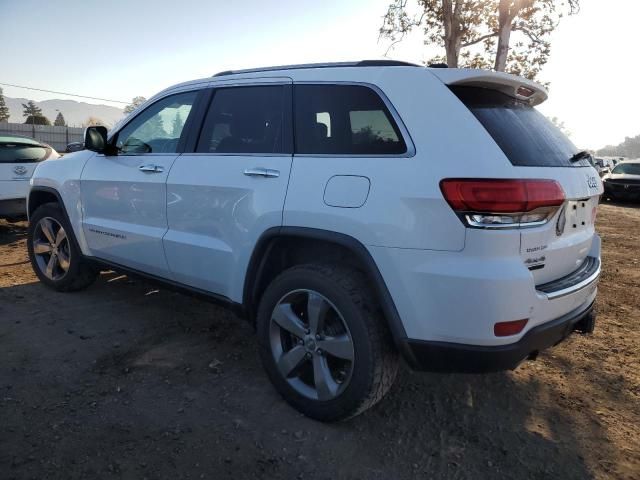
[(406, 136)]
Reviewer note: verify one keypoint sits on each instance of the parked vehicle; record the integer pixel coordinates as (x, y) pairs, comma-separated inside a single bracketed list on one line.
[(623, 183), (356, 212), (74, 147), (18, 158)]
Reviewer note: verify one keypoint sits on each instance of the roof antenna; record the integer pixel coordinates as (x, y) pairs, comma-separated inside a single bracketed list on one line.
[(437, 65)]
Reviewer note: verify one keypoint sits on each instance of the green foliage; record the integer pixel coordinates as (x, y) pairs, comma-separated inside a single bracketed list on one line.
[(4, 110), (31, 110), (37, 120), (60, 121), (468, 30), (135, 102), (630, 148)]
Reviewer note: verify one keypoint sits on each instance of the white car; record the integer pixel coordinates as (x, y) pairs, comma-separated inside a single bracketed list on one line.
[(357, 213), (18, 159)]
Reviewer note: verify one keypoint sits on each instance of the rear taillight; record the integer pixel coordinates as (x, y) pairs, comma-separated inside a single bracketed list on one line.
[(503, 203)]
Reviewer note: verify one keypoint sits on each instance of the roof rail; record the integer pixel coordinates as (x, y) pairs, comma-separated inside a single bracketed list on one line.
[(361, 63)]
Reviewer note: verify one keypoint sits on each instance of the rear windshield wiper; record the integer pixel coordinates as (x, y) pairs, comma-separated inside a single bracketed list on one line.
[(580, 156)]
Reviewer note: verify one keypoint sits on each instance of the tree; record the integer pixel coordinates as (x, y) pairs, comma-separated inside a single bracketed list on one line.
[(560, 124), (178, 124), (37, 120), (4, 110), (60, 121), (506, 35), (92, 122), (135, 102), (30, 109)]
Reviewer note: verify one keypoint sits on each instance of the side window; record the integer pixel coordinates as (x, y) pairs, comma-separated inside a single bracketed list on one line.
[(344, 119), (245, 120), (158, 128)]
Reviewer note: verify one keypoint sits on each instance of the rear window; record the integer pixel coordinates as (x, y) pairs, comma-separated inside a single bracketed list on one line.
[(19, 153), (627, 169), (527, 137), (344, 120)]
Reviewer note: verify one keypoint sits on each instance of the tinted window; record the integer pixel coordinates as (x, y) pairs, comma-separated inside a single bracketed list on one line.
[(245, 120), (627, 168), (344, 119), (527, 137), (158, 128), (20, 153)]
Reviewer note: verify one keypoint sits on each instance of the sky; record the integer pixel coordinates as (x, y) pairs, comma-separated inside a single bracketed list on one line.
[(118, 49)]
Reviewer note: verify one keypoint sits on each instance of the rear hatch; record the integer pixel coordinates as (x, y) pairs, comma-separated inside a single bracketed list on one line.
[(537, 149), (18, 160)]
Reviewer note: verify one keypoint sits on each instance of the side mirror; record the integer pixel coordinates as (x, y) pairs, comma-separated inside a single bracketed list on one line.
[(95, 139)]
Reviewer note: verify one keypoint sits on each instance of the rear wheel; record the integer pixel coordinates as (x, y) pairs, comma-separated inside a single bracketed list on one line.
[(324, 343), (53, 252)]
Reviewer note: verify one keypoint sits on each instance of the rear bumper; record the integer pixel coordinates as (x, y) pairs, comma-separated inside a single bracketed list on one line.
[(453, 357), (13, 208)]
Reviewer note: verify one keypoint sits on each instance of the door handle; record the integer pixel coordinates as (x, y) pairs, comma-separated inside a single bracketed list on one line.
[(150, 168), (262, 172)]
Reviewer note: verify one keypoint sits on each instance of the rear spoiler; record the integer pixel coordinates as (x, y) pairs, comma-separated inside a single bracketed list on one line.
[(512, 85)]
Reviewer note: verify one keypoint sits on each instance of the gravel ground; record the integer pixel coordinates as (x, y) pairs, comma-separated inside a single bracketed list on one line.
[(125, 381)]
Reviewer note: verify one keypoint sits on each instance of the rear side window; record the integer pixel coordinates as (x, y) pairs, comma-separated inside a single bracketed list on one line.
[(527, 138), (344, 120), (20, 153), (245, 120)]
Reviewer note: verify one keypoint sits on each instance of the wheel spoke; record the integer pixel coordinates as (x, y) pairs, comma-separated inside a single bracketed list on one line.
[(47, 229), (290, 360), (63, 260), (340, 346), (286, 318), (317, 308), (51, 264), (60, 237), (324, 382), (40, 247)]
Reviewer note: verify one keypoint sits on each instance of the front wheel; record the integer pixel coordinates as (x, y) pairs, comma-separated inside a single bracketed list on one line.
[(53, 252), (324, 342)]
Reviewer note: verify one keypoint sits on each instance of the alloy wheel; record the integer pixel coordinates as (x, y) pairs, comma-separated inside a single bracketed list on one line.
[(311, 345), (51, 248)]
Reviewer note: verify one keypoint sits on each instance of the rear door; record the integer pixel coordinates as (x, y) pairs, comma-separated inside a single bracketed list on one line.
[(231, 188), (124, 195), (538, 149)]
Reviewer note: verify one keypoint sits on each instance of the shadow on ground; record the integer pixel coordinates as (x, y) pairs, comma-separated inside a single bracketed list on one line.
[(124, 381)]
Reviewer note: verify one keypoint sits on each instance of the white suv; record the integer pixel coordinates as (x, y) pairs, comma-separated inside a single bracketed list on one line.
[(355, 212)]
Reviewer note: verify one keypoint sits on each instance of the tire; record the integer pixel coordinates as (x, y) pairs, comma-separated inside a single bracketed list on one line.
[(349, 310), (69, 272)]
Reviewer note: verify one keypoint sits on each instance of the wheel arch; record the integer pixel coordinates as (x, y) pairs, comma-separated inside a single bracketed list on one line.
[(281, 247), (40, 195)]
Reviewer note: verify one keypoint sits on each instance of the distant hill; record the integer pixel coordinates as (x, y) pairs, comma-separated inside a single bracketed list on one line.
[(630, 148), (75, 113)]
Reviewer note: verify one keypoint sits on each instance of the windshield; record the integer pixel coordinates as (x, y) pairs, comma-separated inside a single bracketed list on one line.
[(527, 138), (627, 169)]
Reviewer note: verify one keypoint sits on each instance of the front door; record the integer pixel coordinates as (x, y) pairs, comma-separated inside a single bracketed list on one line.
[(222, 197), (124, 195)]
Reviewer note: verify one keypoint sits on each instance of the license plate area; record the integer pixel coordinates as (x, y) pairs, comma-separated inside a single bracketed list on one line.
[(580, 214)]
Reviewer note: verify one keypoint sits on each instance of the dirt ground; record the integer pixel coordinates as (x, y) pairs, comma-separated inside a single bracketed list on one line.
[(125, 381)]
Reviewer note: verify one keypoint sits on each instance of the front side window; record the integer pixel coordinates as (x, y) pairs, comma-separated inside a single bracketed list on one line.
[(344, 119), (158, 128), (245, 120)]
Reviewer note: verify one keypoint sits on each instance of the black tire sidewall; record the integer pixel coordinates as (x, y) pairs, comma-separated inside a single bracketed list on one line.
[(354, 316), (54, 211)]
